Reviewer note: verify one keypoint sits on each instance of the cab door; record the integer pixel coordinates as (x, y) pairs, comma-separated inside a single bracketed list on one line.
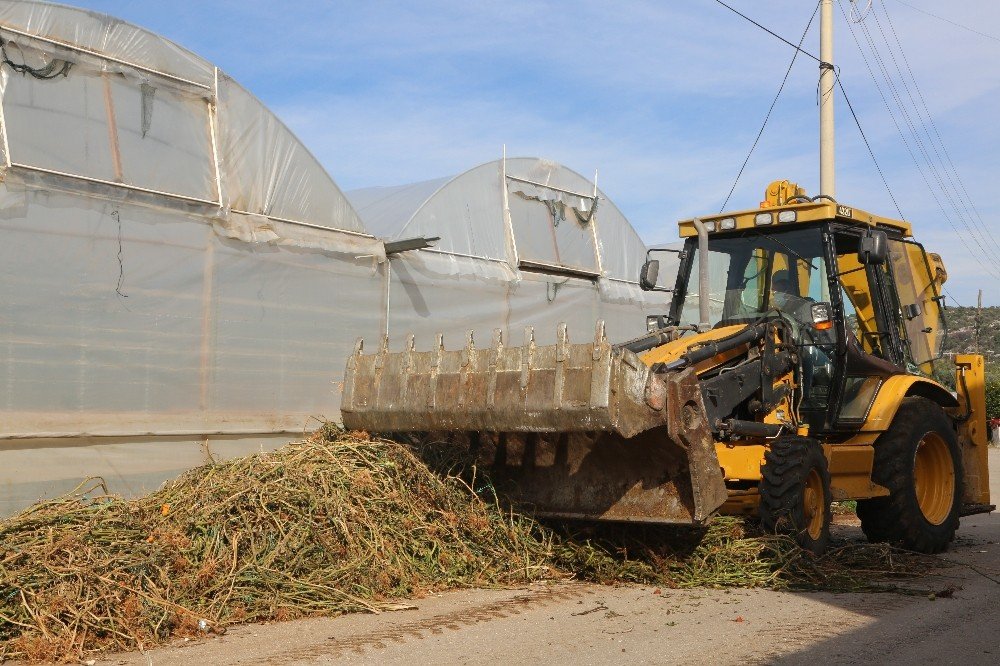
[(870, 349), (922, 324)]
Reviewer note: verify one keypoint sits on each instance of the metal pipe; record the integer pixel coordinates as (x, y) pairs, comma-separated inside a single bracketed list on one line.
[(507, 221), (299, 223), (6, 141), (463, 255), (551, 187), (703, 314), (126, 186), (213, 125), (104, 56)]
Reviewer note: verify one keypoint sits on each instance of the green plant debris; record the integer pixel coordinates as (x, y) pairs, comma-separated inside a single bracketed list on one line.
[(340, 523), (845, 507)]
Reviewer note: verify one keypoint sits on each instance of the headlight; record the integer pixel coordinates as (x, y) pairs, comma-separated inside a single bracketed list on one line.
[(727, 224), (710, 226), (763, 219), (787, 216)]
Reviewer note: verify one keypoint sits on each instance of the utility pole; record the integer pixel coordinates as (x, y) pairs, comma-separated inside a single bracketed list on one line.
[(979, 318), (827, 83)]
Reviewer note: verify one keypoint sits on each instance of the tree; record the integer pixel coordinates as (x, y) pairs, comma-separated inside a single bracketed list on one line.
[(993, 398)]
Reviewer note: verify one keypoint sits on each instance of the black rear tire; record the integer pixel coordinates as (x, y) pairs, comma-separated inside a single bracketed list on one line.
[(795, 496), (898, 519)]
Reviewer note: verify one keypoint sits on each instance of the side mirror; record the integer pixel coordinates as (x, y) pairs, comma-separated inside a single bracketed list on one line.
[(647, 276), (655, 322), (873, 249)]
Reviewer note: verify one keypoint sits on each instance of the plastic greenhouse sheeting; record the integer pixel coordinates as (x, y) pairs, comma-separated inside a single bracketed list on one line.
[(523, 242), (182, 281)]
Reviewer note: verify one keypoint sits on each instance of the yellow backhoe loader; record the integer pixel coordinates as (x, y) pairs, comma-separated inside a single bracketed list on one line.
[(795, 368)]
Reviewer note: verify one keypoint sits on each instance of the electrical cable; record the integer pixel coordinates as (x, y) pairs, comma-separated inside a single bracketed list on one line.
[(980, 239), (954, 23), (769, 31), (799, 49), (861, 14), (966, 199), (948, 293), (770, 109), (906, 143), (878, 168)]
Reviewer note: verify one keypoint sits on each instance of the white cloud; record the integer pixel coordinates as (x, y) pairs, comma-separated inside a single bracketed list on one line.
[(664, 98)]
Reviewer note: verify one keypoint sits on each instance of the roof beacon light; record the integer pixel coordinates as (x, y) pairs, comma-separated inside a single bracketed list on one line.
[(786, 216), (763, 219), (727, 224)]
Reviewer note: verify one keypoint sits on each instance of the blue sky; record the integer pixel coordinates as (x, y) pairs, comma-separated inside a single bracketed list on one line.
[(663, 98)]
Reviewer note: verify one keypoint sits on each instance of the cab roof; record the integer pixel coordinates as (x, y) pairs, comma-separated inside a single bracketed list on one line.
[(816, 211)]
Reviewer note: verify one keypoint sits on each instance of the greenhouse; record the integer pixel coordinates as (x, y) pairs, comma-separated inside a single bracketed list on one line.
[(522, 242), (182, 281)]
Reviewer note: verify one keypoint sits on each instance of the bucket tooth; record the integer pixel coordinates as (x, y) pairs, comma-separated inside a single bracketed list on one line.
[(584, 430)]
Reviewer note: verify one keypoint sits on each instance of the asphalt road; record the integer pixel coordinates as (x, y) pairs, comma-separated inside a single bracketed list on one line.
[(589, 624)]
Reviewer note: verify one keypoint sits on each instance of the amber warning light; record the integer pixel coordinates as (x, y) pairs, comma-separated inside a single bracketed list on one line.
[(822, 321)]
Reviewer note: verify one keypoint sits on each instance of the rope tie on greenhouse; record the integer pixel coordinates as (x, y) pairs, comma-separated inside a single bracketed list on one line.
[(55, 68)]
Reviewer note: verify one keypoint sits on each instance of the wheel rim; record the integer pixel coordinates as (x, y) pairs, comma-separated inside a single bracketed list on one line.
[(934, 478), (813, 504)]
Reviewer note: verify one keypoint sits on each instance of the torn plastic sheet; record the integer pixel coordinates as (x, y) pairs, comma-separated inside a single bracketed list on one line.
[(261, 229), (468, 213), (580, 205)]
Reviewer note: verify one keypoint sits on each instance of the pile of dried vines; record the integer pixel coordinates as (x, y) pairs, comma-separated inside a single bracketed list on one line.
[(340, 523)]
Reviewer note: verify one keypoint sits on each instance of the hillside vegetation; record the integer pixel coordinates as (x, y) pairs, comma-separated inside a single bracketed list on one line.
[(962, 334), (963, 338)]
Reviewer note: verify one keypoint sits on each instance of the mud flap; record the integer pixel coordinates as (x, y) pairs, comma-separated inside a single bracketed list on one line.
[(571, 430)]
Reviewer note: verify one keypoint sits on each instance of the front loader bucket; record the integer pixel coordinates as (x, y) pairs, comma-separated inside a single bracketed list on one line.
[(571, 430)]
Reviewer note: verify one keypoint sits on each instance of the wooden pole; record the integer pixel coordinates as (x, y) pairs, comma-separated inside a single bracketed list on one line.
[(979, 318)]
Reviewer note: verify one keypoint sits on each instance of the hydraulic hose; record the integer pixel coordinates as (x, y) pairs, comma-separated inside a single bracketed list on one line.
[(750, 334)]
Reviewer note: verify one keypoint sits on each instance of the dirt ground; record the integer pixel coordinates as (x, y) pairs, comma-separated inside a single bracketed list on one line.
[(591, 624)]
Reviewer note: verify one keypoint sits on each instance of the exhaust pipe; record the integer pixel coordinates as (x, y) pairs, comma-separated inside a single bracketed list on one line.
[(703, 314)]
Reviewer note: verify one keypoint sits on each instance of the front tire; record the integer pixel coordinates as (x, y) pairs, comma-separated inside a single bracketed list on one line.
[(919, 461), (795, 494)]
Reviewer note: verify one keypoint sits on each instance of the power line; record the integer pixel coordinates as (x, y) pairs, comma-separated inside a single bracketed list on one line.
[(769, 31), (770, 109), (954, 23), (799, 49), (986, 267), (948, 293), (857, 122), (899, 130), (946, 189), (966, 200)]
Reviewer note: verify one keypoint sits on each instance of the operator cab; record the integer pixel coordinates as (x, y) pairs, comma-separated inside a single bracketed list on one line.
[(860, 298)]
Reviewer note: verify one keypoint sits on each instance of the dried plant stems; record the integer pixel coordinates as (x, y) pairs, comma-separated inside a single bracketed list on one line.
[(340, 523)]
